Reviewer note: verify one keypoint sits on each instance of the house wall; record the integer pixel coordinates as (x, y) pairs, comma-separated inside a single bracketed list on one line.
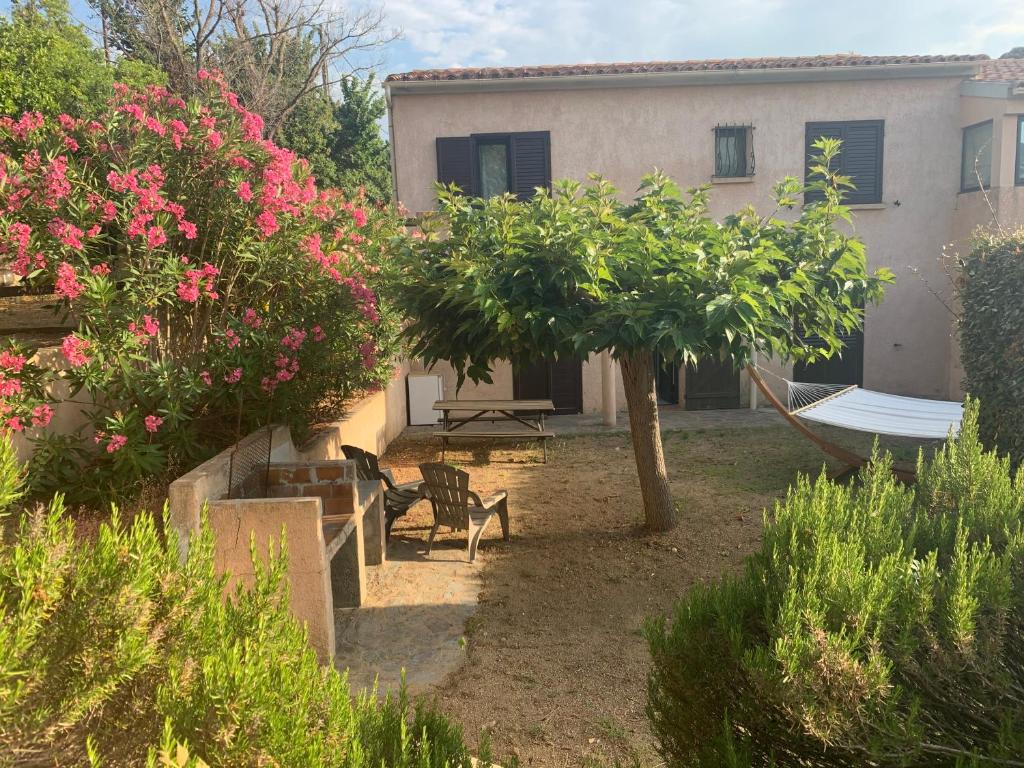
[(625, 132), (1000, 205)]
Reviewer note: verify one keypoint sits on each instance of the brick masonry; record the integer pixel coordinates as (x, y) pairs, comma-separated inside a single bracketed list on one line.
[(332, 481)]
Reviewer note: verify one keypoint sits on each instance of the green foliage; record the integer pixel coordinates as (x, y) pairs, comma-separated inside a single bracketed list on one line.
[(48, 64), (578, 271), (309, 132), (342, 139), (115, 653), (360, 153), (878, 625), (992, 337)]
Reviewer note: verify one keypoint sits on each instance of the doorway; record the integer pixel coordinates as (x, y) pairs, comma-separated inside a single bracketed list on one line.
[(560, 381), (712, 384)]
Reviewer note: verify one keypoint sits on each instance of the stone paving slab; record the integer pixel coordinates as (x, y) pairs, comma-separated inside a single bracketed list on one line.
[(414, 617)]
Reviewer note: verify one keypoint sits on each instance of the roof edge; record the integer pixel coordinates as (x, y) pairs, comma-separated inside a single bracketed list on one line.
[(704, 77)]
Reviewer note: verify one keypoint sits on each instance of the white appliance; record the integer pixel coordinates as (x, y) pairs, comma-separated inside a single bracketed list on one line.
[(424, 390)]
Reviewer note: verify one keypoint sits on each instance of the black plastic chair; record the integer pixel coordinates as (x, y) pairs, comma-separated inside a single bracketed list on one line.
[(397, 497)]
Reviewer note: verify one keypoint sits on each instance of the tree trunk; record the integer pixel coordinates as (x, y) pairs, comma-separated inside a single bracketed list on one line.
[(642, 400)]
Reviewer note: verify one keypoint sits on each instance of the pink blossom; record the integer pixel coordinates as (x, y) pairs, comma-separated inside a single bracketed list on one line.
[(9, 387), (252, 126), (245, 191), (74, 348), (359, 217), (188, 292), (233, 377), (12, 361), (368, 351), (41, 415), (232, 338), (67, 284), (267, 223), (56, 180), (67, 233), (318, 333), (205, 376), (101, 269), (71, 144), (214, 139), (188, 229), (153, 423), (146, 330), (116, 443), (155, 237), (251, 319), (293, 339), (14, 422)]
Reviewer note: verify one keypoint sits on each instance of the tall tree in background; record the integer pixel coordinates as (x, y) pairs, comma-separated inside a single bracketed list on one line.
[(48, 64), (1014, 53), (360, 153), (274, 53)]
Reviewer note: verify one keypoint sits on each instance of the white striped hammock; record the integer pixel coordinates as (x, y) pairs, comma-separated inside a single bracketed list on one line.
[(851, 407)]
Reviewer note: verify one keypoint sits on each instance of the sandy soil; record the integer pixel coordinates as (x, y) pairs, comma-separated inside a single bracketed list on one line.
[(557, 662)]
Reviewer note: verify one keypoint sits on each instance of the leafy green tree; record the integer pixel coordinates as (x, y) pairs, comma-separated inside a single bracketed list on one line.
[(1014, 53), (578, 271), (360, 153), (310, 132), (48, 64)]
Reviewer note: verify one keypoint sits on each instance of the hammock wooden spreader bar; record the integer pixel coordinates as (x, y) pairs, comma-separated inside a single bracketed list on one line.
[(852, 460)]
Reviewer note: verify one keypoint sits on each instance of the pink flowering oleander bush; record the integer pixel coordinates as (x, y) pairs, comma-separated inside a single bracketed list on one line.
[(214, 286)]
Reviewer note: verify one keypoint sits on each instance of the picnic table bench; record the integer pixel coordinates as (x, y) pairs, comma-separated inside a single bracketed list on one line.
[(529, 413)]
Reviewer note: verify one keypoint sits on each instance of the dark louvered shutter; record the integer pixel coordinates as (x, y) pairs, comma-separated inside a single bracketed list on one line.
[(455, 162), (812, 133), (531, 162), (860, 157)]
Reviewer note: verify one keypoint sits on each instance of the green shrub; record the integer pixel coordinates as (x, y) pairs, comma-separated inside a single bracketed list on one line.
[(116, 653), (992, 338), (878, 625)]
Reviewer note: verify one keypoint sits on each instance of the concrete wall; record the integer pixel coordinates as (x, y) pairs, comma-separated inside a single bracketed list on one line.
[(625, 132), (372, 423)]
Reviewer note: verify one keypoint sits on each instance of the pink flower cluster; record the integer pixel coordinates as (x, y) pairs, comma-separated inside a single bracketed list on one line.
[(41, 415), (233, 377), (293, 339), (251, 319), (145, 330), (114, 442), (153, 423), (74, 348), (364, 297), (67, 284), (12, 361), (199, 281)]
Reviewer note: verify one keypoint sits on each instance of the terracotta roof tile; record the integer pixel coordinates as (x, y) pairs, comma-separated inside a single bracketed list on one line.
[(705, 65), (1002, 70)]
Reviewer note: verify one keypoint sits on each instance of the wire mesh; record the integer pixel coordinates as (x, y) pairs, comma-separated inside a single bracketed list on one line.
[(249, 465)]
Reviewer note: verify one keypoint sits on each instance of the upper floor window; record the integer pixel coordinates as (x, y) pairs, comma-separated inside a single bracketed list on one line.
[(976, 157), (734, 151), (860, 157), (488, 164), (1020, 150)]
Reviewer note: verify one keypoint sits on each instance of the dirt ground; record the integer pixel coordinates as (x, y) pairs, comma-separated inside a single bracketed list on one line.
[(557, 663)]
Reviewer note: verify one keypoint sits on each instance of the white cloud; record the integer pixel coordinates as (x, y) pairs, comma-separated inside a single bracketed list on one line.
[(444, 33)]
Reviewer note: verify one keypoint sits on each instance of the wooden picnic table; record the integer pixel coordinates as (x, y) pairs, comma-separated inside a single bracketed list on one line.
[(529, 413)]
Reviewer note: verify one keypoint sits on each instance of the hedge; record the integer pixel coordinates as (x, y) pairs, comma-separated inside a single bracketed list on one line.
[(878, 625), (115, 653), (992, 337)]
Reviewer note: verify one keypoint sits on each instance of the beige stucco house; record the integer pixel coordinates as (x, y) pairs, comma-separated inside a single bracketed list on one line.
[(919, 133)]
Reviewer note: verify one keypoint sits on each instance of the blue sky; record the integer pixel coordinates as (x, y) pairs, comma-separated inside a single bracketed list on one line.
[(443, 33)]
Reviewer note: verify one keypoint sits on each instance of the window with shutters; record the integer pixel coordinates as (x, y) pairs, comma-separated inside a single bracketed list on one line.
[(860, 157), (976, 157), (488, 164), (734, 151)]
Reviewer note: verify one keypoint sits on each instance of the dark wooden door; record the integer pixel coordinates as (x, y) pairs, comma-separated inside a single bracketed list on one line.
[(844, 367), (560, 381), (666, 381), (712, 384)]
